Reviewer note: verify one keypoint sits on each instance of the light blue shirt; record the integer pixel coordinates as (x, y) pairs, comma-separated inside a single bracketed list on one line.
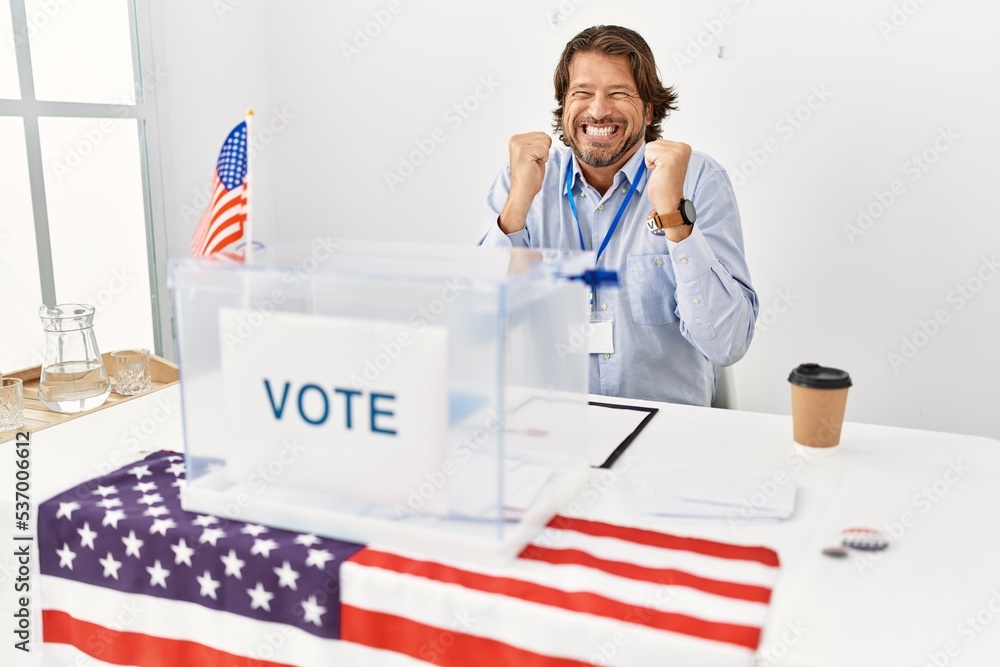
[(680, 308)]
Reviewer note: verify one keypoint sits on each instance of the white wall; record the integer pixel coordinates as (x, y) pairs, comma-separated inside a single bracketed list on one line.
[(212, 58), (828, 294)]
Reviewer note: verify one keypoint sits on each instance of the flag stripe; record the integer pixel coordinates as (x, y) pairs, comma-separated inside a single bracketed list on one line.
[(711, 567), (437, 645), (761, 555), (228, 632), (135, 648), (537, 627), (220, 219), (585, 602), (635, 592), (666, 576), (218, 192), (237, 199), (226, 235)]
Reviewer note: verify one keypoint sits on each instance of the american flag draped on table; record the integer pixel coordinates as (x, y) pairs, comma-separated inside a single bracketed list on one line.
[(130, 578), (224, 222)]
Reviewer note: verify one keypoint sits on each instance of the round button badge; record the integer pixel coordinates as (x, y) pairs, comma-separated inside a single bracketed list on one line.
[(864, 539)]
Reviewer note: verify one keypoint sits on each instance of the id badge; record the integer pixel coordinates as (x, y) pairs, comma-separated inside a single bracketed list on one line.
[(601, 340)]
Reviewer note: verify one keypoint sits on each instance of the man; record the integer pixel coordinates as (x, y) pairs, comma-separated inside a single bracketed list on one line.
[(685, 303)]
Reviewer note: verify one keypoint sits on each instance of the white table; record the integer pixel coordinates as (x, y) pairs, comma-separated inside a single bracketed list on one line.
[(914, 604)]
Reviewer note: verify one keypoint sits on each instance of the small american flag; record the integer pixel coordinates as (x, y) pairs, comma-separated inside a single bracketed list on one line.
[(224, 221)]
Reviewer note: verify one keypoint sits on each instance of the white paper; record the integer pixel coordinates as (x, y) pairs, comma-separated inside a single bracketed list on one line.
[(472, 491), (705, 494), (601, 340)]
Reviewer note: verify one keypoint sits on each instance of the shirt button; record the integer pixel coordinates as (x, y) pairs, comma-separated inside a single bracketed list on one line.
[(607, 356), (659, 262), (583, 194), (604, 306), (624, 191), (600, 207), (601, 258), (684, 260), (696, 301)]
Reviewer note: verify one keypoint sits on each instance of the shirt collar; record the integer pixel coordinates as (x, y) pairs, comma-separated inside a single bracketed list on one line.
[(624, 175)]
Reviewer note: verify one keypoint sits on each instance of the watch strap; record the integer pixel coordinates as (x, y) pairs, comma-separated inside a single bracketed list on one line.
[(657, 223)]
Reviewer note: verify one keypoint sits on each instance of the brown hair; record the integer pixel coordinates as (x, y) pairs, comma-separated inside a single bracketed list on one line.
[(614, 40)]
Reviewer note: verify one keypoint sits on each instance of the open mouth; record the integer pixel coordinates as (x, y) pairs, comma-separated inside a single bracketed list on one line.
[(603, 132)]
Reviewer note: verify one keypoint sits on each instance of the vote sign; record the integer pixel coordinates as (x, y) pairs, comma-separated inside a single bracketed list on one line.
[(364, 401)]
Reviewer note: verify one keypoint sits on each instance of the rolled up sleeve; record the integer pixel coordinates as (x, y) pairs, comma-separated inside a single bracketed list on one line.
[(716, 302)]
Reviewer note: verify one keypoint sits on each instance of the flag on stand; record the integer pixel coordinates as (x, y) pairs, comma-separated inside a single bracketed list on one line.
[(226, 220), (130, 578)]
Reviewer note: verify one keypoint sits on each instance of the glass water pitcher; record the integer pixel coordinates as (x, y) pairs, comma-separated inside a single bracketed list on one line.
[(73, 376)]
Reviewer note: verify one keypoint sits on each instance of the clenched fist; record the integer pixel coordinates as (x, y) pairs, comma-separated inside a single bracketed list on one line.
[(528, 154), (668, 163)]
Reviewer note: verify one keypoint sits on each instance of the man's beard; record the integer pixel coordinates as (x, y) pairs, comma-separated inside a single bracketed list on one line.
[(599, 157)]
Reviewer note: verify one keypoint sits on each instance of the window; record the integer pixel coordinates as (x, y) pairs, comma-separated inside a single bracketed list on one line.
[(76, 222)]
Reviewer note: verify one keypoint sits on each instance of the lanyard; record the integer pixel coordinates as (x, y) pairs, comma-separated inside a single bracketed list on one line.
[(614, 224), (618, 216)]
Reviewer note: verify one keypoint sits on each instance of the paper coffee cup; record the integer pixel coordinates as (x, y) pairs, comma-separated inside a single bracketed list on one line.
[(819, 398)]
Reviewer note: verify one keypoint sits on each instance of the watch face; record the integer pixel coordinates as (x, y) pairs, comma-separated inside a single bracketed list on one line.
[(688, 212)]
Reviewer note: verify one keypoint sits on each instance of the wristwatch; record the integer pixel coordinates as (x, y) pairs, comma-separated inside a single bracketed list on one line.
[(684, 215)]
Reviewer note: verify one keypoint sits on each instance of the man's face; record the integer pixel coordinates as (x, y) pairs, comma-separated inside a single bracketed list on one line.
[(603, 117)]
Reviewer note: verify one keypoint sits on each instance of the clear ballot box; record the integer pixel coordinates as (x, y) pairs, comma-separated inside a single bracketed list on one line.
[(430, 398)]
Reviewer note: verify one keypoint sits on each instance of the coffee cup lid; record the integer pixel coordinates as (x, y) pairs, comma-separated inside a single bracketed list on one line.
[(819, 377)]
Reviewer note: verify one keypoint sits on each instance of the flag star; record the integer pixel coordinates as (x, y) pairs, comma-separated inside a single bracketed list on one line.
[(158, 575), (182, 553), (205, 520), (140, 471), (318, 557), (259, 598), (156, 511), (151, 498), (108, 503), (67, 509), (132, 544), (312, 611), (110, 566), (161, 526), (177, 469), (65, 556), (211, 535), (104, 491), (179, 483), (143, 487), (253, 529), (86, 536), (208, 585), (175, 457), (234, 565), (112, 517), (307, 540), (263, 547), (286, 576)]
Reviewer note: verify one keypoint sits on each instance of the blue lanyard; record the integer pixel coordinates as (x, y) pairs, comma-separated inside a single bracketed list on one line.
[(618, 216)]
